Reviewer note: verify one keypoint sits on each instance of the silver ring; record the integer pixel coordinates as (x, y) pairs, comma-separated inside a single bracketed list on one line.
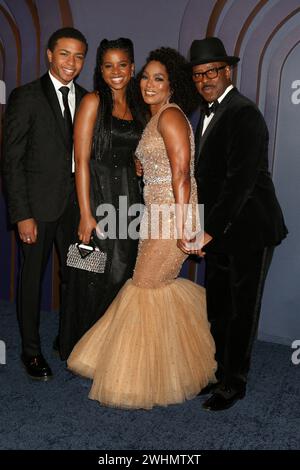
[(28, 239)]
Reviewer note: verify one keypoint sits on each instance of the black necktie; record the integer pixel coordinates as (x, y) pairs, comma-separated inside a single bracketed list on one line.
[(212, 109), (67, 116)]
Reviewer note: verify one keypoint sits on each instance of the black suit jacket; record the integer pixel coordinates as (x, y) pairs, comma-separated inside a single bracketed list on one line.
[(234, 184), (36, 160)]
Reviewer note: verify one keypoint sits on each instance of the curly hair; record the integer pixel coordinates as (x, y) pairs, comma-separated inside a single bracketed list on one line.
[(184, 92), (102, 131)]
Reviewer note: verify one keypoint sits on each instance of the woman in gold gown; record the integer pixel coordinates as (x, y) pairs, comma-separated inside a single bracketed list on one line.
[(153, 345)]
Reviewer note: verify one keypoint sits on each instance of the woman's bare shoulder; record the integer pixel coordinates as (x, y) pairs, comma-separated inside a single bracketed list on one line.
[(91, 99), (172, 117)]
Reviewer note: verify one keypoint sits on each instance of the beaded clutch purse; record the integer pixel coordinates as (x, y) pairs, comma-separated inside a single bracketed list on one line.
[(86, 257)]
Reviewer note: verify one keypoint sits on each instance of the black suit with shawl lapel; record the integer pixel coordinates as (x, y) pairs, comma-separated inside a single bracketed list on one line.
[(244, 218), (37, 168), (241, 209)]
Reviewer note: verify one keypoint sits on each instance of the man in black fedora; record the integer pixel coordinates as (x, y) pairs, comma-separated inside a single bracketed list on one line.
[(243, 220)]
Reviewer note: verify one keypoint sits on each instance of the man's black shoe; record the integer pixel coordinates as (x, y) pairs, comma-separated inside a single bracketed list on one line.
[(223, 399), (37, 367), (210, 388)]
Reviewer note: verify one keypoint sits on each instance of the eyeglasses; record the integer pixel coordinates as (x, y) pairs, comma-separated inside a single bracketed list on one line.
[(211, 73)]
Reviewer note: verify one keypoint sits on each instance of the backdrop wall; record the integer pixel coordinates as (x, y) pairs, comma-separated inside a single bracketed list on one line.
[(264, 33)]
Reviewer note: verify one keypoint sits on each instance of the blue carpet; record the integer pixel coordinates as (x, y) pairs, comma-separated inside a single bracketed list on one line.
[(58, 414)]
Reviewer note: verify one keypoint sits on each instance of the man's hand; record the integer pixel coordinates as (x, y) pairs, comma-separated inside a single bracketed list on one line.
[(205, 239), (27, 229), (138, 167)]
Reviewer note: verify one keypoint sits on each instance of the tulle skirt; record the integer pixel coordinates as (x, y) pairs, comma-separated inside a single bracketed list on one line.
[(152, 347)]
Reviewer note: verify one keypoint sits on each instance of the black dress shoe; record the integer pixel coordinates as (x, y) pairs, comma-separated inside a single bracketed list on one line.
[(223, 399), (37, 367), (210, 388)]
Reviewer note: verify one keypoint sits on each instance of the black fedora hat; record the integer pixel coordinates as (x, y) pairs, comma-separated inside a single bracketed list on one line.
[(208, 50)]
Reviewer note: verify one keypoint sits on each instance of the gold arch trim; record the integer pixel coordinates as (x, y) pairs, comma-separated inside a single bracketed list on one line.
[(261, 58), (277, 107), (244, 30), (17, 36), (66, 13), (37, 26), (213, 19)]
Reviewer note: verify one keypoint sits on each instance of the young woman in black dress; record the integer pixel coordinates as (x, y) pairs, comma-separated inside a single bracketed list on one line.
[(107, 129)]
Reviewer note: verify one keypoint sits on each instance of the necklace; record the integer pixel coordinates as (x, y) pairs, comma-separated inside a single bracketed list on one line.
[(125, 112), (126, 109)]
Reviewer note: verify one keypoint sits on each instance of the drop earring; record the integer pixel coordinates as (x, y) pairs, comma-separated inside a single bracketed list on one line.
[(168, 99)]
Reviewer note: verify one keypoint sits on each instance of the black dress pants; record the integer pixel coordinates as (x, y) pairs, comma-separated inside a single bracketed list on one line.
[(234, 288), (34, 262)]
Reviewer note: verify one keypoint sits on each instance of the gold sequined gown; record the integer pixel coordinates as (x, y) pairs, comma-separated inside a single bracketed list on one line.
[(153, 345)]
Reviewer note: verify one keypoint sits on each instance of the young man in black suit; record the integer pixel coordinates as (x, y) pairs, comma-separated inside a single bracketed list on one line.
[(37, 170), (243, 220)]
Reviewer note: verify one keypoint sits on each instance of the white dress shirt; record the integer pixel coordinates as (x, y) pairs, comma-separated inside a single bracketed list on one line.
[(207, 119), (71, 99)]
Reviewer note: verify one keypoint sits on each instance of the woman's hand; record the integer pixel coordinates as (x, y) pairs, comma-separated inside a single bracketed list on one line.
[(194, 246), (86, 226), (138, 167), (182, 245)]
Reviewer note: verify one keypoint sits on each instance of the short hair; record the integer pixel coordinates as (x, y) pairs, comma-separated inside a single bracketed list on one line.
[(179, 71), (68, 32)]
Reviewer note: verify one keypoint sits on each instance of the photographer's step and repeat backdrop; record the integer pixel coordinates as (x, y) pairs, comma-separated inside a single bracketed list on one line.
[(266, 36)]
